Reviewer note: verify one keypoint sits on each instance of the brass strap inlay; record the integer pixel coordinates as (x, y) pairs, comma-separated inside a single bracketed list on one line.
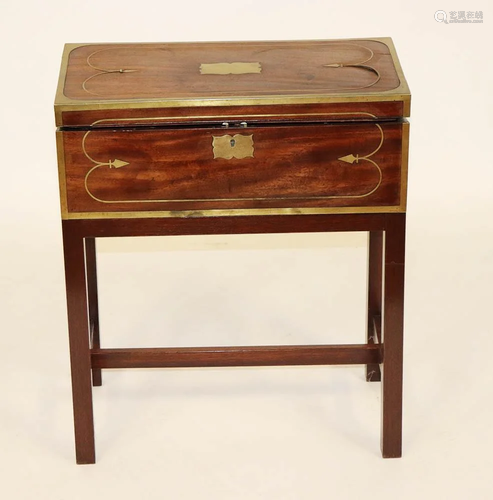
[(349, 159), (234, 68)]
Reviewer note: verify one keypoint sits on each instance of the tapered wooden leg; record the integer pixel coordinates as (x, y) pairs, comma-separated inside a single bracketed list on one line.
[(92, 297), (375, 271), (80, 359), (393, 319)]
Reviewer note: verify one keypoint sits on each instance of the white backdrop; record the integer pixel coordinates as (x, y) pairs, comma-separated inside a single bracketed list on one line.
[(277, 433)]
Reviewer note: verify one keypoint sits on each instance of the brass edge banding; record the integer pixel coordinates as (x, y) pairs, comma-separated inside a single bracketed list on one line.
[(404, 164), (397, 64), (245, 101), (232, 212), (219, 212), (61, 172)]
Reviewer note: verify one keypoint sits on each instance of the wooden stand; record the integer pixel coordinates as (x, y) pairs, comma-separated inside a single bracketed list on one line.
[(385, 311)]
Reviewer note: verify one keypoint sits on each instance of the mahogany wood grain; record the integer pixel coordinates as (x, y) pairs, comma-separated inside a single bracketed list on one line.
[(80, 359), (137, 127), (236, 356), (393, 323), (375, 268), (173, 70), (83, 360), (95, 228), (93, 305), (291, 167)]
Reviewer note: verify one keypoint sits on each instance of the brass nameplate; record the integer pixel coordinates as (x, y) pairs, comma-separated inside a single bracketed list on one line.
[(234, 68), (236, 146)]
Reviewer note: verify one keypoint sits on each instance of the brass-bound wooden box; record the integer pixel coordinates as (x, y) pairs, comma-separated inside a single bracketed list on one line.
[(153, 130)]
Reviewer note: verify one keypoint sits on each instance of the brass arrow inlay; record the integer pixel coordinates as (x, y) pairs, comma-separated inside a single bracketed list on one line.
[(116, 163), (350, 158)]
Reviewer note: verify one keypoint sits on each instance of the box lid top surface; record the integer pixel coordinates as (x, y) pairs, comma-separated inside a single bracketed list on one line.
[(114, 76)]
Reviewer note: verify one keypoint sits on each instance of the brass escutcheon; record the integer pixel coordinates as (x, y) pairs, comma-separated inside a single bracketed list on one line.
[(237, 146)]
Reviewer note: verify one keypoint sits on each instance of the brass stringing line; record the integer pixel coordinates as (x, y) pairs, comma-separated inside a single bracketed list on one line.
[(358, 65), (333, 65), (85, 151), (102, 70), (379, 146), (363, 47), (356, 159), (112, 164), (87, 188)]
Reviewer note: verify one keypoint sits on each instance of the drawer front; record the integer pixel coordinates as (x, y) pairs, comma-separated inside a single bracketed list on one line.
[(348, 167)]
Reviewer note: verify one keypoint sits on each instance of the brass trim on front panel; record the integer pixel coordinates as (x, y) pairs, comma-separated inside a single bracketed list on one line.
[(315, 99), (400, 93), (232, 212)]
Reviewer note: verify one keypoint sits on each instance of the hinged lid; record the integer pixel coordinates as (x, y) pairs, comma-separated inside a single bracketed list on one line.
[(328, 79)]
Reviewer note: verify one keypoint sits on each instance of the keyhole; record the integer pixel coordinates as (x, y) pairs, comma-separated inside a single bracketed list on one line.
[(232, 142)]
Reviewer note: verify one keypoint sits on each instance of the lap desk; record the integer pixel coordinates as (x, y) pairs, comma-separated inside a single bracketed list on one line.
[(225, 138)]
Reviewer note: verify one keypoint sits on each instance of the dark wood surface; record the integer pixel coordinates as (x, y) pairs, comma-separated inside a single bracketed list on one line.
[(95, 228), (236, 356), (164, 115), (80, 359), (171, 70), (93, 303), (375, 267), (389, 353), (393, 324), (291, 167)]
